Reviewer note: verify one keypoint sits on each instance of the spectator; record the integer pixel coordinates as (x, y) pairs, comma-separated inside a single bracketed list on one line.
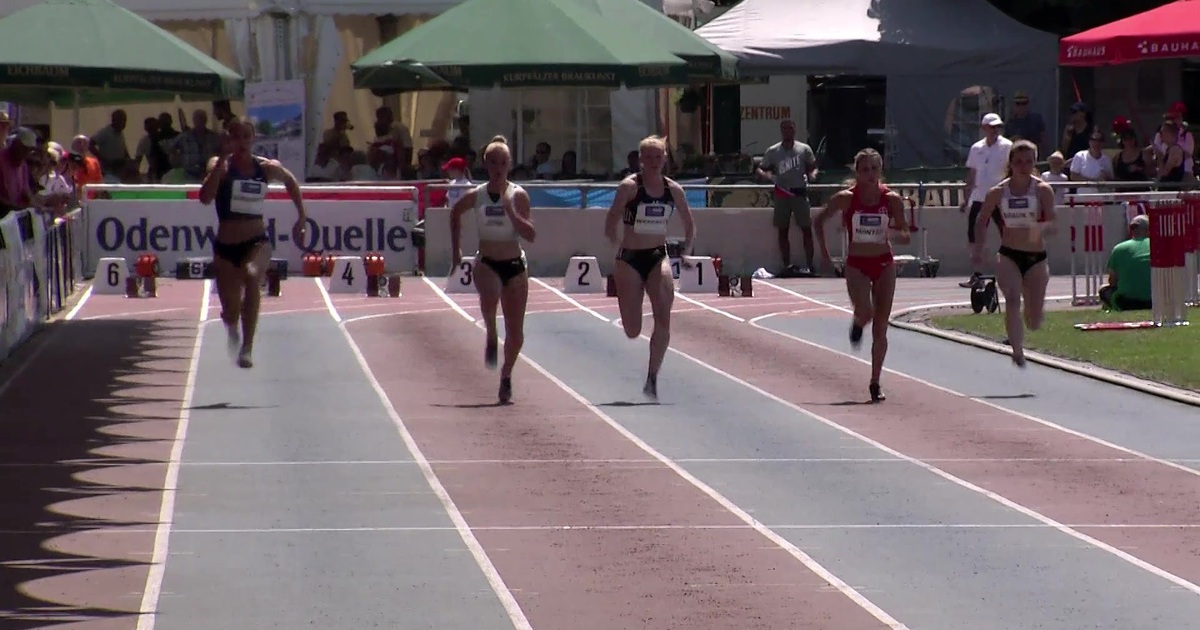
[(1025, 124), (456, 172), (1078, 129), (1172, 160), (15, 190), (192, 149), (632, 164), (1128, 287), (1134, 163), (109, 146), (336, 136), (790, 165), (325, 167), (389, 132), (1056, 174), (1091, 164), (5, 127), (1183, 137), (568, 169), (987, 166), (541, 165)]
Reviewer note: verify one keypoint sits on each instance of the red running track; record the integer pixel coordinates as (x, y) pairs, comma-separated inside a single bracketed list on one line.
[(91, 409)]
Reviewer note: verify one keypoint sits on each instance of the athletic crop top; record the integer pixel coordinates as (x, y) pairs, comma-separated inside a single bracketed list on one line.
[(647, 214), (241, 196), (867, 223), (1019, 211), (490, 217)]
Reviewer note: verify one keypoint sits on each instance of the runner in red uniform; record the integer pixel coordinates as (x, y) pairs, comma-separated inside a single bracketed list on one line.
[(869, 210)]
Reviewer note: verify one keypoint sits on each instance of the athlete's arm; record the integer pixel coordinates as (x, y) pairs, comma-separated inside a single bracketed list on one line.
[(1046, 214), (519, 214), (989, 206), (896, 209), (837, 203), (685, 215), (276, 172), (624, 194), (217, 167), (464, 202)]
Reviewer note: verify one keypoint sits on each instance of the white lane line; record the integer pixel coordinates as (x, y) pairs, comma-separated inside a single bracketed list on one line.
[(1006, 502), (166, 511), (797, 553), (986, 403), (708, 308), (128, 313), (333, 312), (515, 614)]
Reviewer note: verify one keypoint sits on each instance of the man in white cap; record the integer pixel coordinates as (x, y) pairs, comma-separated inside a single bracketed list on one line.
[(986, 164)]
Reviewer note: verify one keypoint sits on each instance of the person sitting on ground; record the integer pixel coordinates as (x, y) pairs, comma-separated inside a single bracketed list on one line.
[(1128, 287)]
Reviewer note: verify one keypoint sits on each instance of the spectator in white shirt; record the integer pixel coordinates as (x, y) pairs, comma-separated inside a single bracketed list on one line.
[(1091, 164), (1056, 161), (987, 163)]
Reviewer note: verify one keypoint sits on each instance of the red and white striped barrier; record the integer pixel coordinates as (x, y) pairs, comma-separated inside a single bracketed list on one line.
[(1174, 247)]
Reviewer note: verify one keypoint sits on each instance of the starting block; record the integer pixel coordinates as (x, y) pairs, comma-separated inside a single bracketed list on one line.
[(349, 275), (733, 286), (583, 275), (194, 269), (700, 278), (462, 277), (111, 277), (379, 282)]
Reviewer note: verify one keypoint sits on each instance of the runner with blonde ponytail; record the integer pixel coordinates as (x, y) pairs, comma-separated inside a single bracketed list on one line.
[(502, 217)]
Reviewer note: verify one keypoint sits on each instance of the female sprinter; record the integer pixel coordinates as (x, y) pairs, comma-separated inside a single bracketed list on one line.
[(236, 184), (646, 201), (502, 215), (868, 210), (1027, 208)]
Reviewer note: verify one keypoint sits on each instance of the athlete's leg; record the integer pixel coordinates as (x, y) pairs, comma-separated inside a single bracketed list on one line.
[(1008, 277), (660, 288), (513, 299), (782, 219), (882, 292), (488, 285), (630, 297), (1034, 290), (803, 215), (229, 292), (252, 272), (858, 287)]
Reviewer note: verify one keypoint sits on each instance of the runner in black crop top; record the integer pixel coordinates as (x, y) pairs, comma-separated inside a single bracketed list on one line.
[(642, 197), (241, 250), (641, 268), (223, 199)]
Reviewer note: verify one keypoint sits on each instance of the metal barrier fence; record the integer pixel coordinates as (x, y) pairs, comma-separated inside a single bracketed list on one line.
[(39, 270)]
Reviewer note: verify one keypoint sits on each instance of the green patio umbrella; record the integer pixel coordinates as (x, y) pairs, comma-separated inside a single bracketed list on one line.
[(706, 62), (103, 54), (520, 43)]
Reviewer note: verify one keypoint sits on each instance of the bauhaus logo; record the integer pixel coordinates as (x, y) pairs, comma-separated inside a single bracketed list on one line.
[(1151, 47), (1085, 52)]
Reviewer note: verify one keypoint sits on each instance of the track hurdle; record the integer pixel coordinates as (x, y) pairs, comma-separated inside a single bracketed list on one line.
[(1087, 253)]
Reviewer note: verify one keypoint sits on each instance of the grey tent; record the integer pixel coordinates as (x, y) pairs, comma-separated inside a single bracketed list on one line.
[(947, 62)]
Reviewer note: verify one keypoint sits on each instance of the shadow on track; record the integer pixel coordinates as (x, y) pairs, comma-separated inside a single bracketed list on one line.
[(83, 444), (221, 406), (475, 405), (626, 403)]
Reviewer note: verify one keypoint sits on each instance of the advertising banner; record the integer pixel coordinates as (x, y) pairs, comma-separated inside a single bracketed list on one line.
[(180, 228)]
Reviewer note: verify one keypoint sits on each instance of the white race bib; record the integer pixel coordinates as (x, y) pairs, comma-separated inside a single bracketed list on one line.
[(247, 196), (1019, 212), (651, 218), (870, 227), (494, 224)]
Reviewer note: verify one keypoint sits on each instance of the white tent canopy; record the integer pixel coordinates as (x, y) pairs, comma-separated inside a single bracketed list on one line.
[(947, 62)]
